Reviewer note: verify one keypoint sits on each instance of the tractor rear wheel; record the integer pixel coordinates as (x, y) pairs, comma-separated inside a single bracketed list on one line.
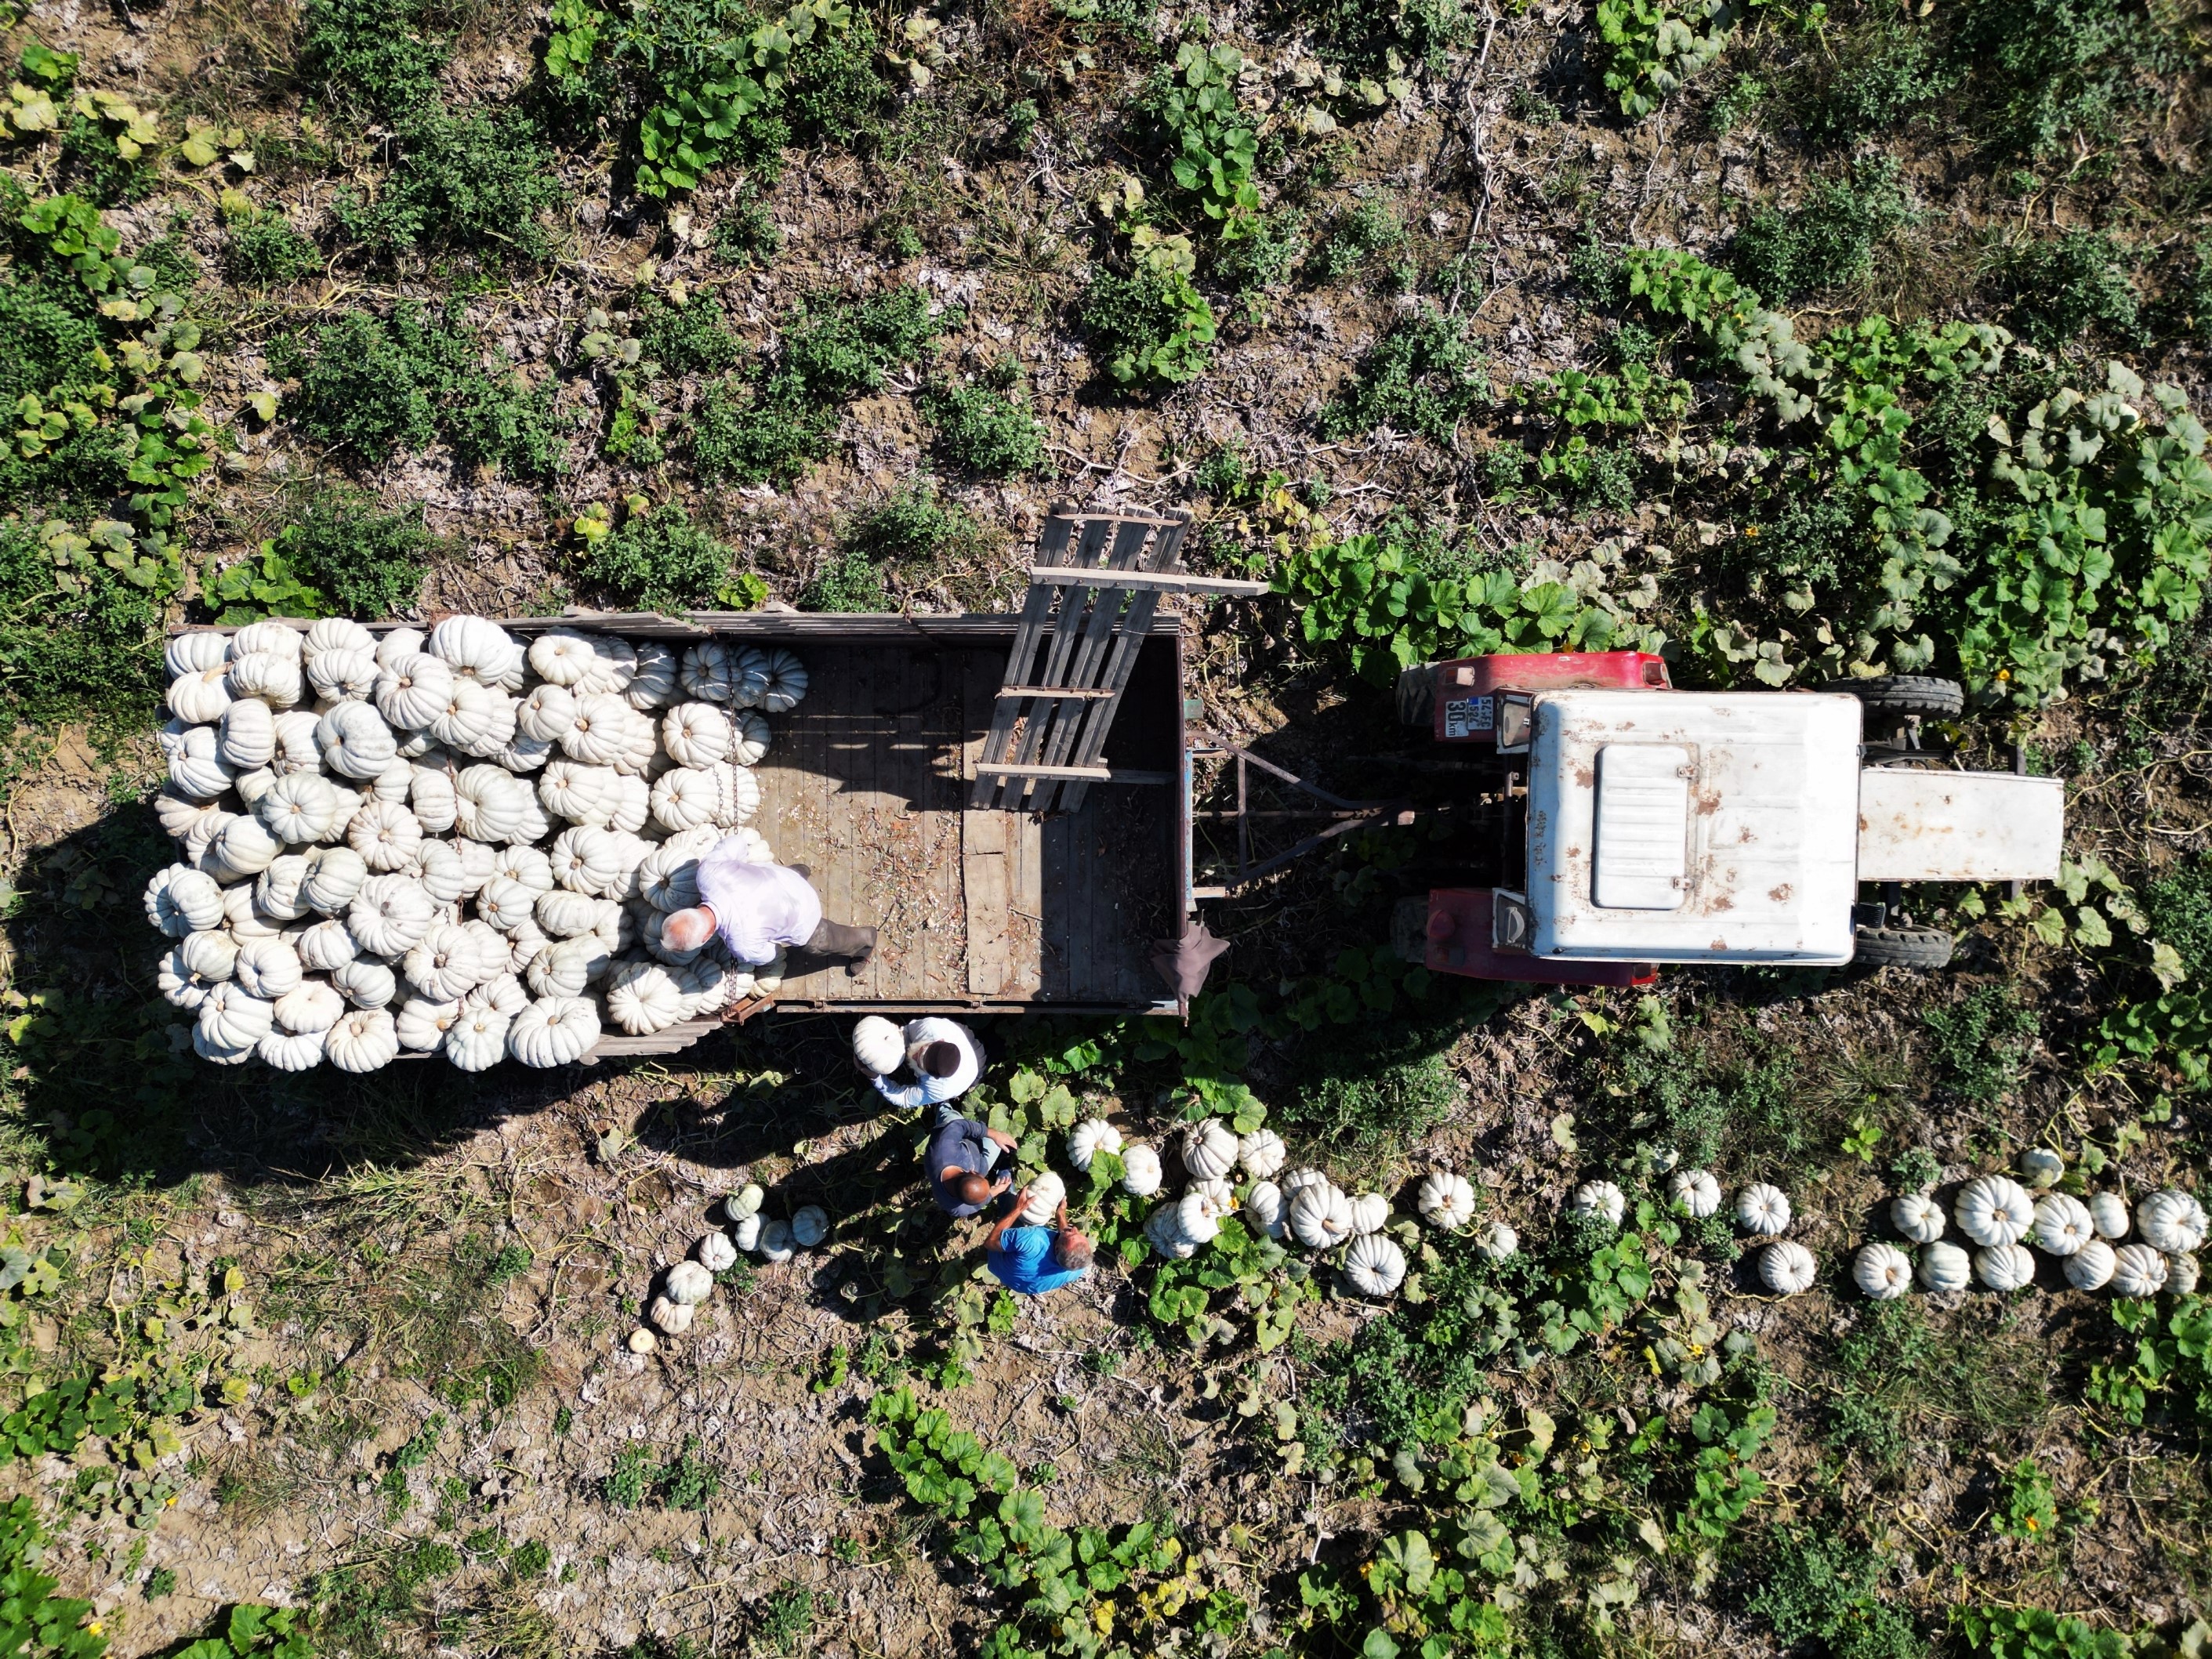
[(1903, 947), (1907, 694), (1417, 696)]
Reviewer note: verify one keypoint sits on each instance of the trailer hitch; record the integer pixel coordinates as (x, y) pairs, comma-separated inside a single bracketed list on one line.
[(1336, 814)]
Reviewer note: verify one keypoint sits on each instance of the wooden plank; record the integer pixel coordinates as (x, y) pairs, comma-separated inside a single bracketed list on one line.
[(1106, 606), (852, 762), (1076, 774), (985, 878), (1098, 721), (1060, 644), (941, 793), (1052, 549), (1058, 947), (1075, 691), (1165, 582)]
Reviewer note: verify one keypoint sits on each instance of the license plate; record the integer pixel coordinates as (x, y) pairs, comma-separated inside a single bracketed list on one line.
[(1466, 716)]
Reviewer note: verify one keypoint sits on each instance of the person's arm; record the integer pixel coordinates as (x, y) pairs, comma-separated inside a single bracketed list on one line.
[(1012, 1216), (903, 1095), (1005, 1141)]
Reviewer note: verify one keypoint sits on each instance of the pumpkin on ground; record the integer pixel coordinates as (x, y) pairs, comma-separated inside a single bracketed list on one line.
[(1994, 1210), (1375, 1266), (1882, 1271), (1446, 1200)]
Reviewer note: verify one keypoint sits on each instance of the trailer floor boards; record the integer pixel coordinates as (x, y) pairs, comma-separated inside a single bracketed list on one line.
[(866, 784)]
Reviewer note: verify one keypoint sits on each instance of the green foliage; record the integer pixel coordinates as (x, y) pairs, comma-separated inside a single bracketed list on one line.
[(371, 384), (80, 619), (1382, 42), (1211, 144), (1871, 79), (261, 247), (262, 583), (1149, 327), (1653, 50), (1373, 228), (2063, 290), (912, 527), (470, 183), (2038, 75), (1979, 1045), (369, 563), (1423, 376), (2036, 1633), (2027, 1507), (746, 235), (692, 338), (33, 1618), (985, 428), (279, 1632), (1818, 1586), (660, 560), (371, 57), (1826, 243), (2167, 1380), (771, 423)]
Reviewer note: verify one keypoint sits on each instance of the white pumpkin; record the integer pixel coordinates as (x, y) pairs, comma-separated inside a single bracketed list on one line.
[(708, 672), (385, 834), (749, 747), (1787, 1267), (668, 879), (1371, 1213), (266, 675), (355, 742), (630, 803), (343, 675), (1298, 1180), (333, 879), (1164, 1231), (335, 633), (1598, 1200), (1497, 1240), (233, 1017), (1944, 1266), (1994, 1210), (506, 905), (445, 963), (1140, 1171), (553, 1031), (246, 737), (243, 920), (196, 768), (1261, 1154), (653, 686), (2171, 1222), (715, 1253), (2181, 1274), (210, 957), (432, 797), (178, 813), (2090, 1268), (178, 984), (489, 804), (1695, 1193), (195, 652), (1446, 1200), (295, 742), (2005, 1267), (200, 697), (1046, 1194), (475, 1041), (1209, 1149), (1762, 1210), (1374, 1266), (399, 642), (642, 998), (412, 691), (745, 1201), (810, 1226), (388, 915), (311, 1005), (277, 889), (745, 1231), (2138, 1270), (215, 1053), (525, 864), (1088, 1139), (327, 945), (2110, 1213), (1321, 1217), (562, 970), (366, 984), (688, 798), (1265, 1210), (2062, 1224), (1918, 1217), (579, 792), (614, 665), (423, 1023), (689, 1284), (585, 859), (2041, 1167), (784, 684), (564, 914), (561, 658), (878, 1046), (502, 993), (696, 734), (299, 809), (476, 718), (268, 968), (243, 849), (1882, 1271), (279, 639), (290, 1051), (476, 649), (180, 900)]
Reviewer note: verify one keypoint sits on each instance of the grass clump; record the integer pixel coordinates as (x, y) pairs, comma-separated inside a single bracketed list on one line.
[(692, 338), (2062, 289), (73, 635), (1357, 237), (1423, 376), (260, 247), (472, 182), (773, 422), (746, 235), (371, 384), (1826, 243), (660, 560), (1979, 1045), (369, 563), (985, 428), (688, 1482), (1820, 1587), (368, 58), (1151, 327), (912, 527)]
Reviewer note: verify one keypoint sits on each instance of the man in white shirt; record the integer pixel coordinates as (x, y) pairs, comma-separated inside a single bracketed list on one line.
[(761, 909), (945, 1058)]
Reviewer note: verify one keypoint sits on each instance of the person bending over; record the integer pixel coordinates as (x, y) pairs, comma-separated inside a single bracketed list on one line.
[(945, 1058), (1031, 1260), (959, 1158), (761, 909)]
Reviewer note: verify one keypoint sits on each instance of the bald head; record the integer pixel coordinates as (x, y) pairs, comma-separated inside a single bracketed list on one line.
[(973, 1189), (687, 930)]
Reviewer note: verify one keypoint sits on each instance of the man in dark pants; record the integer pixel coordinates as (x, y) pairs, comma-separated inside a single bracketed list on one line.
[(959, 1158)]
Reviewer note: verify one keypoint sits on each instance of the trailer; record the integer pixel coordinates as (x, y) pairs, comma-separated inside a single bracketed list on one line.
[(1005, 798)]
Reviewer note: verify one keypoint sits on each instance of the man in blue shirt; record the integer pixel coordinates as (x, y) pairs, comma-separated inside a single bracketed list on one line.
[(1031, 1260)]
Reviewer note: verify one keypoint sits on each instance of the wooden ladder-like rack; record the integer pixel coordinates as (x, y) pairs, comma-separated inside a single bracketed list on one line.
[(1097, 581)]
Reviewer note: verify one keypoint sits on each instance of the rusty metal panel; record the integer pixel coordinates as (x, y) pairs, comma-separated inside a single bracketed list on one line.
[(1919, 823)]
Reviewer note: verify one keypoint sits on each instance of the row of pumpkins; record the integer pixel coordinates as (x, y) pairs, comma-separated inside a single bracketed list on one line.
[(450, 842), (1995, 1212), (687, 1287)]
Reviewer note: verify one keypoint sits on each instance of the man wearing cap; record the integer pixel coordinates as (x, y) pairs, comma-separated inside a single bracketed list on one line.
[(945, 1058)]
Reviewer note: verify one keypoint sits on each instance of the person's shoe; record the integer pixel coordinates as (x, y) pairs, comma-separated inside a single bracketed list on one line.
[(852, 968)]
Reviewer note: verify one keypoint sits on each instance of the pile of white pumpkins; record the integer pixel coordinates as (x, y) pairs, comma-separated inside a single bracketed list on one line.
[(1304, 1205), (2001, 1218), (452, 843), (687, 1287)]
